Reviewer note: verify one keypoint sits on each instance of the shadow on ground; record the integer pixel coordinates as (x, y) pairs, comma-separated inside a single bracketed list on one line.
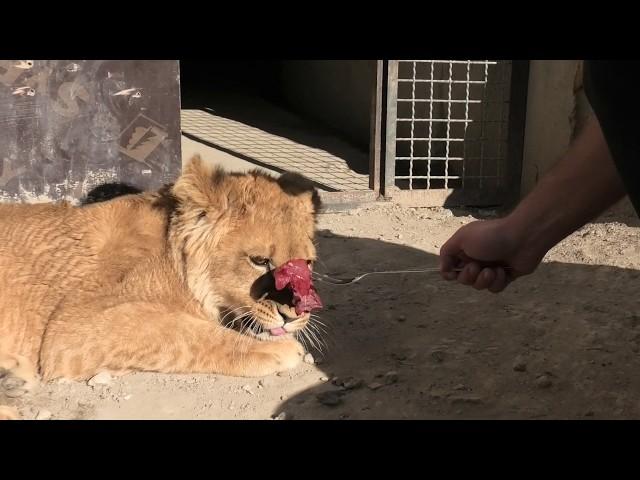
[(562, 343)]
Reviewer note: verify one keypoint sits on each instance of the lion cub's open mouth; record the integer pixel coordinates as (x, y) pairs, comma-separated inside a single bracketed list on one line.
[(261, 333), (253, 327), (274, 334)]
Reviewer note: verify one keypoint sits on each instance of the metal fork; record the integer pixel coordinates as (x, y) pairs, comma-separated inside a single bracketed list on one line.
[(321, 277)]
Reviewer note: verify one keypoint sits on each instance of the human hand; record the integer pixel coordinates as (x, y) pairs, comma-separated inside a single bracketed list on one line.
[(488, 255)]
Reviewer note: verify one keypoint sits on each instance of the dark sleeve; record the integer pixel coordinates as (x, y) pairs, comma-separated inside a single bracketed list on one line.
[(610, 87)]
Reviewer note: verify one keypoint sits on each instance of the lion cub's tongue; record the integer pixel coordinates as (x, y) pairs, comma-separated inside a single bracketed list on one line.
[(277, 331)]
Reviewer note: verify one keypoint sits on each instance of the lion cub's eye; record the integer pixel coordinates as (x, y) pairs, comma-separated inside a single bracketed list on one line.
[(260, 261)]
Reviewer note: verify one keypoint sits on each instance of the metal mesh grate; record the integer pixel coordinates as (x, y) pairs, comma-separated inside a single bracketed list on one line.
[(452, 123), (274, 151)]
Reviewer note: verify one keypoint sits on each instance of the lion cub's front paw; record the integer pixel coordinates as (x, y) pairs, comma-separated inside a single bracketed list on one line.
[(278, 356)]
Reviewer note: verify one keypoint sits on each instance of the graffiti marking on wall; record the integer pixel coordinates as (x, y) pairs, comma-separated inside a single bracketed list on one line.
[(141, 138)]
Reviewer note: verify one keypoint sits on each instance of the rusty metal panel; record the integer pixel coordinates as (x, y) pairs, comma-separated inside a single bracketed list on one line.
[(69, 125)]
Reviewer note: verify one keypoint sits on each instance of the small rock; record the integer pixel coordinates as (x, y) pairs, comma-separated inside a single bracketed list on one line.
[(391, 377), (352, 383), (247, 388), (282, 416), (103, 378), (374, 385), (349, 383), (437, 356), (543, 381), (469, 399), (308, 358), (43, 415), (438, 394), (401, 318), (519, 365), (266, 382), (324, 379), (459, 387), (330, 399)]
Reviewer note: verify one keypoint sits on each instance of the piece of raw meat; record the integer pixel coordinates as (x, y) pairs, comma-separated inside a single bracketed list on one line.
[(296, 275)]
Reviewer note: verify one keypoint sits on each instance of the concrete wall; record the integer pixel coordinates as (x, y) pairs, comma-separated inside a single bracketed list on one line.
[(336, 93), (69, 125), (551, 116), (557, 108)]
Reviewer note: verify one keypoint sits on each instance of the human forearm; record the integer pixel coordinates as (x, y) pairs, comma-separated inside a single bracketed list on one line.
[(582, 185)]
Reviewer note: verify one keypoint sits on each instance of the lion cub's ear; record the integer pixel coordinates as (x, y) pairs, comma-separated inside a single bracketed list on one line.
[(295, 184), (198, 182)]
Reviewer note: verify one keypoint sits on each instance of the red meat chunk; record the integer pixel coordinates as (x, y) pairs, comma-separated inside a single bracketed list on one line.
[(296, 275)]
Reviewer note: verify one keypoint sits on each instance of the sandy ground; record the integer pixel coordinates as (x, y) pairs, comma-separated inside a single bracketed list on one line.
[(562, 343)]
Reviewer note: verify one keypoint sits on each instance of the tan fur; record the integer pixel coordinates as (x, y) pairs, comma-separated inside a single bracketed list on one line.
[(8, 413), (140, 282)]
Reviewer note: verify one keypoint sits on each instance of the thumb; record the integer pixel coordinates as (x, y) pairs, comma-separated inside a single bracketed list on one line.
[(450, 254)]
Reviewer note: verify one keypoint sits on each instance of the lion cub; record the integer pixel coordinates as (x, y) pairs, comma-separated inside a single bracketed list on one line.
[(178, 280)]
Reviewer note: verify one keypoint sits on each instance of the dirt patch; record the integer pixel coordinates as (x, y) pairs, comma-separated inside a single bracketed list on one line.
[(562, 343)]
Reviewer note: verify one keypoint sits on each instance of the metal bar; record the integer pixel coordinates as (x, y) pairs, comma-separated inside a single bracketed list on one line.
[(426, 80), (453, 120), (473, 62), (375, 143), (450, 101), (466, 117), (435, 139), (429, 158), (392, 113), (436, 100), (429, 144), (413, 123), (426, 177), (442, 177)]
